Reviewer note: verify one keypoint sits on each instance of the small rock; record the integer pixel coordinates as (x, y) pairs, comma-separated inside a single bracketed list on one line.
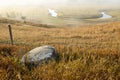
[(39, 54)]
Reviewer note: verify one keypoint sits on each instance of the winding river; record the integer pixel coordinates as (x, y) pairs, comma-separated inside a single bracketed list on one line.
[(105, 16)]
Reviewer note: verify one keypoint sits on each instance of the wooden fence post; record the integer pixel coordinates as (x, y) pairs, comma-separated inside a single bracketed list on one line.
[(10, 32)]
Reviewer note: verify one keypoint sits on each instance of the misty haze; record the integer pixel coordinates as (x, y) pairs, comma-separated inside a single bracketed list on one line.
[(59, 39), (69, 12)]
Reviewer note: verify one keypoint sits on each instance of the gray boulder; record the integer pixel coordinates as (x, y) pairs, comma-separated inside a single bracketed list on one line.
[(39, 54)]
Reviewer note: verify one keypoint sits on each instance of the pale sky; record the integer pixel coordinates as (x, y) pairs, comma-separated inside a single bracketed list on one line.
[(18, 2), (29, 2), (38, 2)]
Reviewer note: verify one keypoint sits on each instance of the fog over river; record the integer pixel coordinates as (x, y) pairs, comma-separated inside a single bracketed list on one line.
[(57, 11)]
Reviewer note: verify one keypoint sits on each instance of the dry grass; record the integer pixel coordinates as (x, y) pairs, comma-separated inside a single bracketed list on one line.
[(97, 36), (89, 65), (85, 53)]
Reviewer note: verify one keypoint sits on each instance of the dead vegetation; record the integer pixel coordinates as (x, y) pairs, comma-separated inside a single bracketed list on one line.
[(90, 52)]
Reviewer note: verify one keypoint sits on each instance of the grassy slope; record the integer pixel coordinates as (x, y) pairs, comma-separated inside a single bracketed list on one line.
[(90, 52), (97, 36)]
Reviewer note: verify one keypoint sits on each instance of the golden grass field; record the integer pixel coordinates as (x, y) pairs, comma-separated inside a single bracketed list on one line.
[(85, 53)]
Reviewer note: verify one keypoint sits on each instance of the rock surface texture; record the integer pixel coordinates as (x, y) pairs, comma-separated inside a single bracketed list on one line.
[(39, 54)]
